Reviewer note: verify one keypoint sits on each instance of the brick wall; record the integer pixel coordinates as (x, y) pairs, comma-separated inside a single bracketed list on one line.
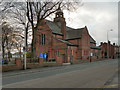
[(85, 40), (18, 65)]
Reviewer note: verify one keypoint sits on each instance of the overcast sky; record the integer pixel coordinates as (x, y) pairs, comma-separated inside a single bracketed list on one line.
[(99, 17)]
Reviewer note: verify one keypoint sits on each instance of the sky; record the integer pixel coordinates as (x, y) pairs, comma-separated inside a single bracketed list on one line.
[(99, 17)]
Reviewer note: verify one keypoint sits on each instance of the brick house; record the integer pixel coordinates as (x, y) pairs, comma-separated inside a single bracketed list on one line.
[(65, 44), (111, 49)]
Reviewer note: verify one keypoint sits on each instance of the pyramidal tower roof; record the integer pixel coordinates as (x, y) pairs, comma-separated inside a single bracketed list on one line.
[(59, 10)]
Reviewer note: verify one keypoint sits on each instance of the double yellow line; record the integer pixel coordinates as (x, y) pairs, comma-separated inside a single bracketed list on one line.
[(112, 85), (108, 86)]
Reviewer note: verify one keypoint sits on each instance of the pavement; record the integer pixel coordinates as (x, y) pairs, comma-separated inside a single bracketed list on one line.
[(19, 72), (113, 82), (41, 69), (101, 74)]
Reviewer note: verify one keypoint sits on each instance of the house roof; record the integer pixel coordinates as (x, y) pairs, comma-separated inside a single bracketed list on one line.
[(73, 33), (70, 32), (69, 28), (95, 47), (68, 43), (53, 26), (92, 40)]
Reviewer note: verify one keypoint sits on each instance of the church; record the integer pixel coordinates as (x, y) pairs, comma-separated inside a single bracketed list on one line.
[(65, 44)]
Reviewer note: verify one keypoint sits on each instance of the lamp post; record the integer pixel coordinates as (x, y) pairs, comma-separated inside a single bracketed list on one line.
[(25, 51), (108, 43)]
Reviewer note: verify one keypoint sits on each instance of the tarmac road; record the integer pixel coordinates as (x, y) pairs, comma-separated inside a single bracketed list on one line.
[(85, 75)]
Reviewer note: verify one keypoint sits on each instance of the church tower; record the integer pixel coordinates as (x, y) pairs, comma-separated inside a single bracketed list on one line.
[(60, 20)]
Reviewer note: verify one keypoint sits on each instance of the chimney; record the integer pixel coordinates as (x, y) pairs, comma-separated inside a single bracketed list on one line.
[(114, 44), (101, 43), (108, 42)]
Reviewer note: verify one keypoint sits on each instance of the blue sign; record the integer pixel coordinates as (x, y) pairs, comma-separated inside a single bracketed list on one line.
[(40, 55), (1, 62), (43, 55)]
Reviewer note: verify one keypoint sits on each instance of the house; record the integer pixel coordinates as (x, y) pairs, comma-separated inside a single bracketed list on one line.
[(65, 44), (109, 49)]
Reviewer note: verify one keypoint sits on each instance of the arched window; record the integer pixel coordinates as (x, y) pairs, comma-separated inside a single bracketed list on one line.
[(42, 39)]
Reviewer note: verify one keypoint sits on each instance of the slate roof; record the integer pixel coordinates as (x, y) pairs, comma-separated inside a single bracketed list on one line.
[(53, 26), (68, 28), (70, 32), (92, 40), (68, 43), (95, 47), (73, 33)]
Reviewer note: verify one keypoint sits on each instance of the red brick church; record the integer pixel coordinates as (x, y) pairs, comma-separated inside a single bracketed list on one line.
[(65, 44)]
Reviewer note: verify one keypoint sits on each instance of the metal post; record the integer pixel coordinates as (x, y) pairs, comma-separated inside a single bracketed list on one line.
[(108, 43), (25, 61), (25, 51), (107, 46)]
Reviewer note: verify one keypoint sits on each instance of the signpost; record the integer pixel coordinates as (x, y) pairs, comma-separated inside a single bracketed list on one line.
[(1, 62), (25, 52)]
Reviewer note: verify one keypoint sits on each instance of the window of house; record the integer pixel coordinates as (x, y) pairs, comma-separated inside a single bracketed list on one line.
[(42, 39), (58, 52), (85, 52), (72, 52), (39, 40), (55, 53)]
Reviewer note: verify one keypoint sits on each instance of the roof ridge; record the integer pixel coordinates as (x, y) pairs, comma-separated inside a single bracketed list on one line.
[(64, 41), (74, 28), (53, 26)]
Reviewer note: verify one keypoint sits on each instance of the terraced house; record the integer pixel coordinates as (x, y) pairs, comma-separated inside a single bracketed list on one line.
[(65, 44)]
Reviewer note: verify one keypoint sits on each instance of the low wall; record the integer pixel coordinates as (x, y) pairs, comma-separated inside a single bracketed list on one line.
[(10, 67), (58, 62), (16, 66), (19, 65), (30, 66)]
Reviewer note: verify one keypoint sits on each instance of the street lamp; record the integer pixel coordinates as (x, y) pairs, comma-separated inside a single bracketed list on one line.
[(108, 42)]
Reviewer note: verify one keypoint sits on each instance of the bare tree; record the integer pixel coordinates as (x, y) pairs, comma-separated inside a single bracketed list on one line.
[(37, 11), (15, 13), (20, 19), (31, 12), (10, 38)]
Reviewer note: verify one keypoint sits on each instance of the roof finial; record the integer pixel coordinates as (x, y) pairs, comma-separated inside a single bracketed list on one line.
[(59, 7)]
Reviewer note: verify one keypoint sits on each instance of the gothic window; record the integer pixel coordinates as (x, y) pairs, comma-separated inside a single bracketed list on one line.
[(85, 52), (55, 53), (58, 52), (39, 39), (42, 39)]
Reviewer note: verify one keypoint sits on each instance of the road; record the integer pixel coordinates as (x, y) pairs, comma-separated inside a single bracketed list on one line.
[(85, 75)]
